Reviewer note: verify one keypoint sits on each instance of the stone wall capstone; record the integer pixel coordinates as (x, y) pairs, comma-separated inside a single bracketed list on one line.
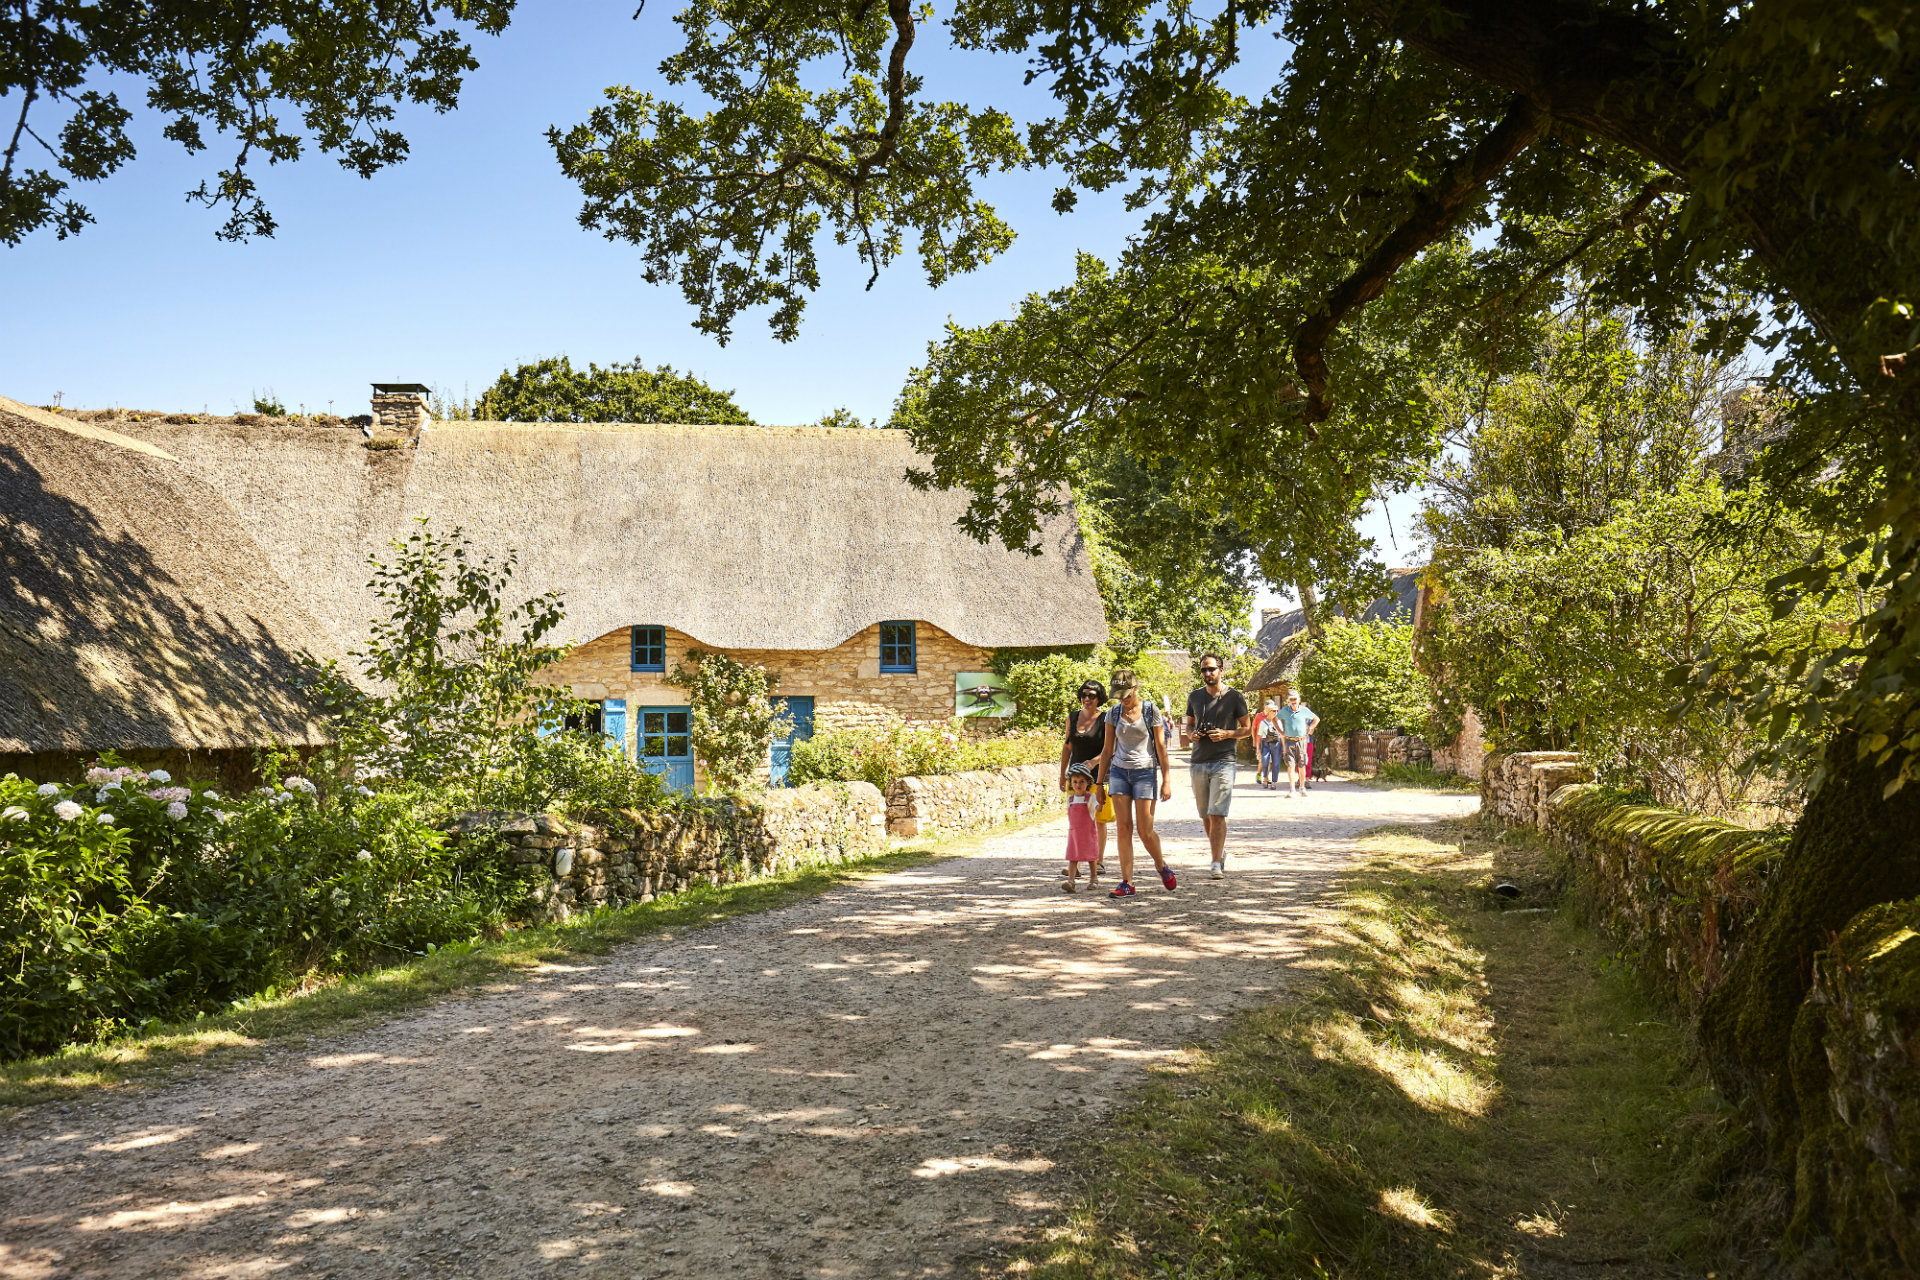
[(633, 856), (1515, 788), (957, 801)]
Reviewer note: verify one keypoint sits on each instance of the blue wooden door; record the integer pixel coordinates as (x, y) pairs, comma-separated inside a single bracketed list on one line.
[(666, 745), (613, 723), (800, 711)]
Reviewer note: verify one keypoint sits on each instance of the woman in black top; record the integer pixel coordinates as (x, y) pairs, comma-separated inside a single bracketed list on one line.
[(1086, 737)]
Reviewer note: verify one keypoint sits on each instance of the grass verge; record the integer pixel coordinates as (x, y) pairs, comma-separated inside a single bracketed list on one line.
[(1395, 777), (1461, 1090), (245, 1030)]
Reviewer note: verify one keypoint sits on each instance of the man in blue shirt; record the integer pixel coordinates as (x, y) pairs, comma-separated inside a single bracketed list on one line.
[(1297, 723)]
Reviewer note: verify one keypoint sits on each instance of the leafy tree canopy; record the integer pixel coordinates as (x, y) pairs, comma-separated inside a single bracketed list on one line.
[(244, 73), (552, 390), (1361, 675), (1421, 185)]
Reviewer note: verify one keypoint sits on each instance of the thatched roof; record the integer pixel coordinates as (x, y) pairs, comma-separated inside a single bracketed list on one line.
[(1398, 605), (741, 536), (135, 612), (1283, 664)]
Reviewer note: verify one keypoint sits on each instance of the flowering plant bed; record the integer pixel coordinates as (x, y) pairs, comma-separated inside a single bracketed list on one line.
[(130, 897)]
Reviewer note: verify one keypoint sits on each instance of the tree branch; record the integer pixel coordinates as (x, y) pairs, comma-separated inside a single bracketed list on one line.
[(1433, 215)]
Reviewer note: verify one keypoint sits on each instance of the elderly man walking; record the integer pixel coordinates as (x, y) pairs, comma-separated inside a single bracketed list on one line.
[(1297, 723), (1216, 720)]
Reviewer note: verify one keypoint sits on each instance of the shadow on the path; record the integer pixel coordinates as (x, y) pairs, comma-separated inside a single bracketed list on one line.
[(867, 1084)]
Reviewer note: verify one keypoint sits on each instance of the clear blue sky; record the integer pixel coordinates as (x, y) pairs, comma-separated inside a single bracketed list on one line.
[(467, 259)]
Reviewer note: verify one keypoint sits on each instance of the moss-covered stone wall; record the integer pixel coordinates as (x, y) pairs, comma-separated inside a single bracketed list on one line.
[(1682, 896)]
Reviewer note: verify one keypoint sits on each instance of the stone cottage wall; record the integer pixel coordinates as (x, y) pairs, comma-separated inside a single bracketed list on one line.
[(634, 856), (846, 682), (958, 801)]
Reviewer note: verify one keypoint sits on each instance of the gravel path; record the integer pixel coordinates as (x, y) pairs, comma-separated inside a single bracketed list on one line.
[(867, 1084)]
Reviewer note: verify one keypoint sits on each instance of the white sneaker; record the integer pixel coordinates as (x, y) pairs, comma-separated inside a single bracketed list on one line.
[(1218, 873)]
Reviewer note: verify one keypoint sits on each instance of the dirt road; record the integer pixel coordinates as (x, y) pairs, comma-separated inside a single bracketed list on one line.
[(867, 1084)]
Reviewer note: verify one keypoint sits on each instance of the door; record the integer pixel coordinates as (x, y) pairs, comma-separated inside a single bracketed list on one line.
[(613, 723), (666, 745), (800, 711)]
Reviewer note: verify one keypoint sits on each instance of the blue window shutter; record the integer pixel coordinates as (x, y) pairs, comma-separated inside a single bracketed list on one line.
[(613, 723)]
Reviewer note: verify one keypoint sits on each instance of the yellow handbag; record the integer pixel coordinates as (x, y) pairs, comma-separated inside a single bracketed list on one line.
[(1106, 806)]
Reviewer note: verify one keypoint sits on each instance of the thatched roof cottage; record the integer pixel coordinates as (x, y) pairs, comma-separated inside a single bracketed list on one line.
[(802, 549), (136, 614)]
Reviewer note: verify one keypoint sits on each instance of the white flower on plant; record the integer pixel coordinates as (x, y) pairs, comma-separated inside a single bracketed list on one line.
[(300, 784), (67, 811), (365, 791), (161, 775), (49, 789), (221, 815), (209, 794), (105, 819), (14, 813), (176, 811), (365, 855), (97, 775)]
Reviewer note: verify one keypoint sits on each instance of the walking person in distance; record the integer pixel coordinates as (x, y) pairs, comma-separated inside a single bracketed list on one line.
[(1297, 723), (1216, 721), (1133, 764), (1267, 739)]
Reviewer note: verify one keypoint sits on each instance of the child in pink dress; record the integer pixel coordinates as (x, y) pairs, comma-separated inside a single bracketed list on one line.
[(1083, 840)]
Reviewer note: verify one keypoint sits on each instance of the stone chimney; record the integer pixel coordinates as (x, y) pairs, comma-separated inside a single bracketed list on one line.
[(400, 408)]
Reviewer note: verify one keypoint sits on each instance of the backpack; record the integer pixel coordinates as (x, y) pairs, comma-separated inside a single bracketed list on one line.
[(1270, 728), (1148, 712)]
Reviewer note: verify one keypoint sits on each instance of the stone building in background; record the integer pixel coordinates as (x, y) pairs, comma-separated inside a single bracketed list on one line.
[(801, 549)]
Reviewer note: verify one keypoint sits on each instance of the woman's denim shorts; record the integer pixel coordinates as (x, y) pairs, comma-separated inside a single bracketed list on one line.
[(1132, 784)]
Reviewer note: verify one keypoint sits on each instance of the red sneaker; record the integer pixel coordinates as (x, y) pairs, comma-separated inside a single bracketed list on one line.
[(1122, 890), (1167, 878)]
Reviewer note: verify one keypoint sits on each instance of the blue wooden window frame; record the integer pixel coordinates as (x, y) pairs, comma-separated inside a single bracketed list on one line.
[(649, 649), (898, 650)]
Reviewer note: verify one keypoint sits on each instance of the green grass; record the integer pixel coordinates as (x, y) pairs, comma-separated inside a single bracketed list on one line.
[(163, 1052), (1393, 777), (1457, 1090)]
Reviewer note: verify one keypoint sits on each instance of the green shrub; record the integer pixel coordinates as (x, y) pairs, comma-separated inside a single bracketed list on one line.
[(734, 719), (1046, 688), (130, 896), (572, 772), (905, 750), (1361, 675)]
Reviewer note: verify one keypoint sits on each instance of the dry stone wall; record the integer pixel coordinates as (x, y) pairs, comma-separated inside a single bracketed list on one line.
[(635, 856), (958, 801), (1515, 788), (1681, 896), (1856, 1074)]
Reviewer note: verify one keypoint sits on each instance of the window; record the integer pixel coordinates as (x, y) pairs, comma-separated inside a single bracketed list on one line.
[(649, 648), (896, 646)]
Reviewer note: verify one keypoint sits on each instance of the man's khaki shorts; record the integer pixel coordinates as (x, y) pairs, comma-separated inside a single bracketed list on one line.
[(1293, 751)]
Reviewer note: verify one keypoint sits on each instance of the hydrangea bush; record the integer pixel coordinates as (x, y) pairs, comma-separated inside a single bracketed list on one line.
[(129, 897), (906, 749)]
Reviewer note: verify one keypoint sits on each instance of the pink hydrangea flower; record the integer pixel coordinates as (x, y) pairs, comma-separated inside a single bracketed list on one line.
[(176, 811)]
